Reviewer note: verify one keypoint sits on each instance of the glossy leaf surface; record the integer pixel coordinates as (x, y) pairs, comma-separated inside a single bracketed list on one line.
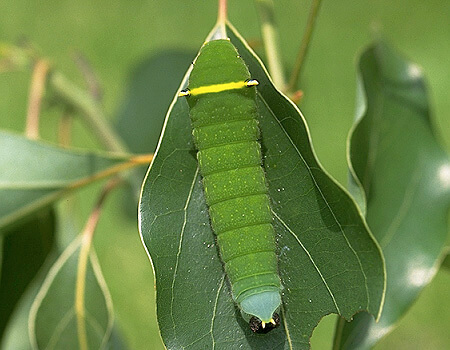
[(328, 260), (54, 322), (34, 174), (405, 175)]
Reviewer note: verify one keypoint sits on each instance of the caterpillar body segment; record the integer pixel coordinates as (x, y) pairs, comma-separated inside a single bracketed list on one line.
[(221, 96)]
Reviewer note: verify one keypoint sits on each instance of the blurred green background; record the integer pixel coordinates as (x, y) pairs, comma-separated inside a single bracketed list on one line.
[(116, 36)]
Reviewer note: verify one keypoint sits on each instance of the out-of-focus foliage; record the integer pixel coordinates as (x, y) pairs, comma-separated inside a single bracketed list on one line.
[(405, 176), (23, 252)]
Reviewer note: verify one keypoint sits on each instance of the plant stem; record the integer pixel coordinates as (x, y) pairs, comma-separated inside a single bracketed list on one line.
[(79, 100), (89, 76), (91, 111), (37, 88), (269, 33), (80, 288), (132, 162), (338, 333), (222, 13), (64, 129), (304, 45)]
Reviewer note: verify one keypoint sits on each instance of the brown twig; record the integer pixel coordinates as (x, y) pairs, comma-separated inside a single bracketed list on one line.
[(130, 163), (299, 63), (87, 236), (65, 128), (89, 76), (91, 224), (296, 96), (222, 12), (37, 88)]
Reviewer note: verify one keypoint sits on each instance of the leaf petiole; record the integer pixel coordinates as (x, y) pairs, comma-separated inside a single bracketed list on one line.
[(270, 38), (87, 236), (299, 63), (37, 89)]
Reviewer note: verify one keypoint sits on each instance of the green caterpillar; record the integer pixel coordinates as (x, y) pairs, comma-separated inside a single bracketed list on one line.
[(221, 96)]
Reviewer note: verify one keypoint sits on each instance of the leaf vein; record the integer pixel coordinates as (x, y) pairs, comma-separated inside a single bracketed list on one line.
[(188, 199), (215, 310), (325, 200), (310, 258)]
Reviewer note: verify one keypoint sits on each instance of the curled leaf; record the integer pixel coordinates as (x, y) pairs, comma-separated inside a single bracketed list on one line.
[(405, 178)]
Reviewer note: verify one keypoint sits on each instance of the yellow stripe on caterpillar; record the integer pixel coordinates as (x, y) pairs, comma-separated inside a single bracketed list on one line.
[(211, 89)]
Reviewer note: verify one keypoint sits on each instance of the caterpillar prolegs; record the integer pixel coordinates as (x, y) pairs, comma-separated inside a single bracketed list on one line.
[(222, 101)]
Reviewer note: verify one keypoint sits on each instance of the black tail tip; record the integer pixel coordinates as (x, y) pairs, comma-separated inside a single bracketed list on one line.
[(262, 328)]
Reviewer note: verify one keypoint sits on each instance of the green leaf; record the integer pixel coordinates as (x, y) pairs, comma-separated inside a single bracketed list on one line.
[(23, 254), (54, 321), (34, 174), (405, 176), (328, 260), (16, 333)]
